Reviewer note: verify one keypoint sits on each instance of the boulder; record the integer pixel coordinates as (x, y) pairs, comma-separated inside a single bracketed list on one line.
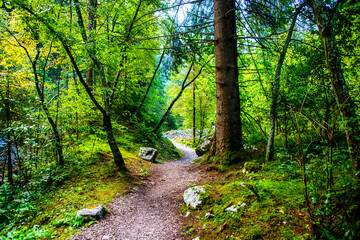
[(203, 148), (192, 196), (148, 154), (90, 214)]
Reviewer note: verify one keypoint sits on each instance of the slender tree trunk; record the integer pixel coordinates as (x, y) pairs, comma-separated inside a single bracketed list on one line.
[(276, 88), (150, 84), (66, 45), (228, 133), (194, 115), (8, 135), (286, 129), (157, 128), (91, 26), (119, 161), (184, 85), (346, 105), (40, 91), (58, 146)]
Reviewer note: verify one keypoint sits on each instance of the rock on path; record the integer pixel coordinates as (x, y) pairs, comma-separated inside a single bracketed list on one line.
[(150, 211)]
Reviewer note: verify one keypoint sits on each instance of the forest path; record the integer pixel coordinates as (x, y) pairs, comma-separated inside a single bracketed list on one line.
[(151, 210)]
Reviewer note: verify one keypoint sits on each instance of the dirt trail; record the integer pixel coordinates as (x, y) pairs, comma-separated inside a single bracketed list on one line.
[(150, 211)]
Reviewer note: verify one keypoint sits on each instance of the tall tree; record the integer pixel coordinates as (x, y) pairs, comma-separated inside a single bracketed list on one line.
[(228, 132), (91, 26), (40, 90), (323, 17), (107, 124), (276, 87)]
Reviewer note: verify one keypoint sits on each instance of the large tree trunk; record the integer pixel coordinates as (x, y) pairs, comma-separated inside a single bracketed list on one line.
[(228, 133), (343, 98), (276, 88)]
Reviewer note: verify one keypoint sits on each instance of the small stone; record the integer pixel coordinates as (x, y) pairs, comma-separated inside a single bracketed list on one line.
[(209, 215), (197, 238), (187, 214), (223, 227), (281, 211), (241, 205), (106, 237), (231, 209)]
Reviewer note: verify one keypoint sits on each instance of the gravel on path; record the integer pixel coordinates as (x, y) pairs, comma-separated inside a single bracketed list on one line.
[(151, 210)]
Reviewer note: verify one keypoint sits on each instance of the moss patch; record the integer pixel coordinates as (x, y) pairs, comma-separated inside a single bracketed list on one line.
[(278, 214)]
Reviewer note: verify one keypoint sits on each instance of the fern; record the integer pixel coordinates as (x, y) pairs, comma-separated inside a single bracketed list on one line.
[(6, 195)]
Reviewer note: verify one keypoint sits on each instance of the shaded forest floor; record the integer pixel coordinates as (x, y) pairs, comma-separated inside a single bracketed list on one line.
[(147, 201)]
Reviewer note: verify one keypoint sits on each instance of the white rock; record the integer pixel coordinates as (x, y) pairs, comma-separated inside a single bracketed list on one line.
[(242, 204), (148, 154), (231, 209), (197, 238), (187, 214), (209, 215), (192, 196), (90, 214)]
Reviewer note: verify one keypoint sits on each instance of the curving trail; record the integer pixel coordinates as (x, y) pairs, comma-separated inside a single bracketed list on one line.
[(150, 211)]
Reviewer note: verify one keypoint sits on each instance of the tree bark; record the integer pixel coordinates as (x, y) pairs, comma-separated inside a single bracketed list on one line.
[(276, 88), (346, 106), (194, 115), (228, 133), (118, 159)]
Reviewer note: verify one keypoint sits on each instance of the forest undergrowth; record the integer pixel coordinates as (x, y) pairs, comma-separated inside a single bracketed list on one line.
[(45, 206), (258, 200)]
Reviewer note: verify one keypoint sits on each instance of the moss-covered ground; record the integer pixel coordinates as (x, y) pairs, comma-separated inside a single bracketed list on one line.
[(268, 200)]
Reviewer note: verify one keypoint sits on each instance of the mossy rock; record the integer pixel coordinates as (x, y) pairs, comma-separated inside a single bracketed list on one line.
[(251, 167)]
